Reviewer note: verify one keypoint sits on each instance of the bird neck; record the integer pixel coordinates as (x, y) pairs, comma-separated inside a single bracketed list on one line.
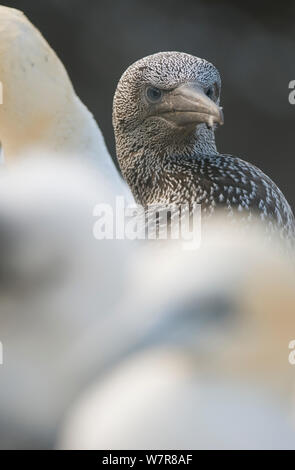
[(70, 129), (144, 161), (40, 108), (204, 142)]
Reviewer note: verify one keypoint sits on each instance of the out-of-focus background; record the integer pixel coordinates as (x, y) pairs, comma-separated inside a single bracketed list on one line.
[(252, 45)]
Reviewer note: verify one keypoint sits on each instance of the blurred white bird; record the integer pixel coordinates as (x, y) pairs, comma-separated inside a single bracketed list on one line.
[(40, 108), (56, 282), (206, 366)]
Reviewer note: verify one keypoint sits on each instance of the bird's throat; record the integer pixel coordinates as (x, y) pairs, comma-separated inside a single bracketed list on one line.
[(145, 165)]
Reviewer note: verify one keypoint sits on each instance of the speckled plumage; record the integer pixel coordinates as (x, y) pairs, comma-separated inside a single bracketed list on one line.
[(168, 164)]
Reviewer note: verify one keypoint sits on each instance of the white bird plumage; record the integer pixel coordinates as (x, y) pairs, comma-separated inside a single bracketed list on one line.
[(207, 365), (40, 109), (56, 284)]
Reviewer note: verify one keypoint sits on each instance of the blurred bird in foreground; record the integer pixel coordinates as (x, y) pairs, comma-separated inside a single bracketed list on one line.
[(206, 363), (165, 349), (56, 281)]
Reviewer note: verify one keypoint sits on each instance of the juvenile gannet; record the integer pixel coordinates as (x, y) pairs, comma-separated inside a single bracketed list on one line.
[(165, 111)]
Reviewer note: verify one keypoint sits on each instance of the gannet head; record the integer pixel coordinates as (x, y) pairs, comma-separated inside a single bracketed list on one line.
[(167, 103)]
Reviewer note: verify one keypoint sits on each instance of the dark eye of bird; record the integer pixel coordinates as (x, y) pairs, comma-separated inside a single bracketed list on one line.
[(153, 94), (210, 92)]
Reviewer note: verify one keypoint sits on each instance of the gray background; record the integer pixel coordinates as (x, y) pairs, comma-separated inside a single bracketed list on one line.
[(252, 45)]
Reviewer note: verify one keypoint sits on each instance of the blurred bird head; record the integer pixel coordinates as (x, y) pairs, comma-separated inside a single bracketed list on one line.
[(167, 98), (36, 87)]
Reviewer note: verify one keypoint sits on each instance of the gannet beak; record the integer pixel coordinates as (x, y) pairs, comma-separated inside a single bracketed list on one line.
[(188, 105)]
